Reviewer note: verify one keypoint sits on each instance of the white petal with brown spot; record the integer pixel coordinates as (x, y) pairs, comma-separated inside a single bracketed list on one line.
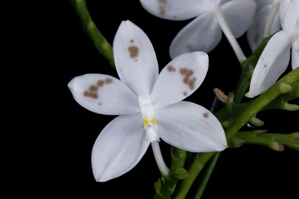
[(149, 105)]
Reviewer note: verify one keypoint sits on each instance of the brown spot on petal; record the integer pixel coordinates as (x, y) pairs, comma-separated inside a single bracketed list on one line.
[(93, 88), (191, 83), (256, 38), (93, 95), (100, 83), (189, 47), (187, 73), (134, 51), (185, 93), (92, 91), (108, 81), (206, 114), (131, 40), (183, 71), (86, 93), (162, 4), (162, 11), (170, 68), (186, 80)]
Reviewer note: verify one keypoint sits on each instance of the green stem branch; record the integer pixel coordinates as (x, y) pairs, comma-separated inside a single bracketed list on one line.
[(197, 165), (101, 44), (204, 181), (284, 85), (275, 141)]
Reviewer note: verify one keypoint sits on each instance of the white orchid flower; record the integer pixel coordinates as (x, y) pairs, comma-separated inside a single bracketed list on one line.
[(149, 106), (276, 55), (203, 33), (265, 23)]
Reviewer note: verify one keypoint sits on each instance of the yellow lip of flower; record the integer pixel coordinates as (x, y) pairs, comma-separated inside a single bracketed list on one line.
[(146, 122)]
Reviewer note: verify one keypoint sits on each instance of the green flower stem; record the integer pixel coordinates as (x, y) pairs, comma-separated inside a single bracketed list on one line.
[(90, 28), (165, 186), (280, 87), (209, 169), (178, 157), (197, 165), (275, 141)]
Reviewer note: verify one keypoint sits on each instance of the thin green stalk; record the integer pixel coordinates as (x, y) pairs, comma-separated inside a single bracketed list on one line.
[(204, 181), (178, 157), (284, 85), (199, 162), (101, 44), (280, 87), (165, 186), (275, 141)]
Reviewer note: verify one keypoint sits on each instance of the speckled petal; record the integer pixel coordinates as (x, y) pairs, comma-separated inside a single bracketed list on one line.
[(190, 127), (119, 147), (135, 58), (201, 34), (174, 9), (103, 94), (180, 78), (271, 64), (255, 33)]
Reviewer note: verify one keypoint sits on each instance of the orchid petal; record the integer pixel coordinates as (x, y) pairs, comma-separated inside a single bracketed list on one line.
[(174, 9), (276, 25), (119, 147), (201, 34), (190, 127), (291, 17), (180, 78), (103, 94), (271, 64), (295, 59), (255, 33), (260, 4), (239, 15), (135, 58), (283, 10)]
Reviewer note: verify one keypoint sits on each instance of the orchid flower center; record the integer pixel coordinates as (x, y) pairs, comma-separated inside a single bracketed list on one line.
[(148, 114)]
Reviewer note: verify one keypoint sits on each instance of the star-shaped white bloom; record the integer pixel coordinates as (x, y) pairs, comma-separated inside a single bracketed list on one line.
[(276, 55), (149, 106), (203, 33), (266, 22)]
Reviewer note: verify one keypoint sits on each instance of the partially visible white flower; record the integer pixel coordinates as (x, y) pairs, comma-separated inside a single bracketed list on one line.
[(233, 17), (276, 55), (265, 23), (149, 106)]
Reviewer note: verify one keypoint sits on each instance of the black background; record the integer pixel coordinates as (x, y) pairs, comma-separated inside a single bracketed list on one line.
[(247, 172)]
